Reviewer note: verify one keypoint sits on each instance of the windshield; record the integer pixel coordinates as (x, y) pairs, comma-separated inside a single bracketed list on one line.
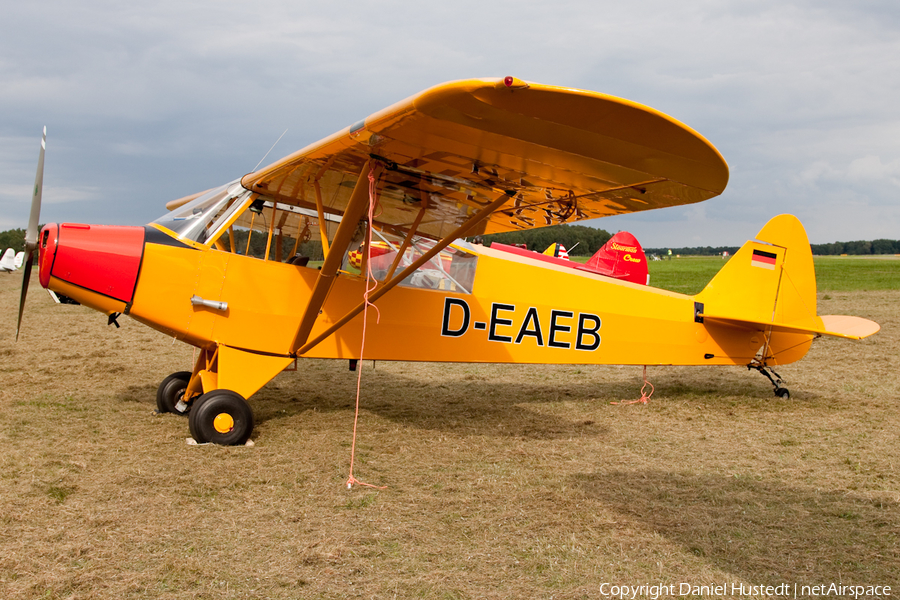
[(194, 221)]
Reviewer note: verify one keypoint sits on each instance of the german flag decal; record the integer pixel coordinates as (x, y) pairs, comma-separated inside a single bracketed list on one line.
[(765, 260)]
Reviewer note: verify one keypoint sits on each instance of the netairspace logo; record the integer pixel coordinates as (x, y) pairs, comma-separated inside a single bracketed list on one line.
[(737, 590)]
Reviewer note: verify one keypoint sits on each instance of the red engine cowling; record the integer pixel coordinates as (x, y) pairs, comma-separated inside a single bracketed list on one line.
[(104, 259)]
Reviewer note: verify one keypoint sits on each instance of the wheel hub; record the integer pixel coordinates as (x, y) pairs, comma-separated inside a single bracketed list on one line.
[(223, 423)]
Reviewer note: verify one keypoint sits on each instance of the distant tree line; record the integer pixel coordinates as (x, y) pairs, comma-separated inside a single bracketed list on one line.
[(588, 239), (699, 251), (835, 248), (14, 238), (873, 247)]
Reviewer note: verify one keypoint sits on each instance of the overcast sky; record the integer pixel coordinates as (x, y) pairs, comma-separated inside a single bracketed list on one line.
[(147, 102)]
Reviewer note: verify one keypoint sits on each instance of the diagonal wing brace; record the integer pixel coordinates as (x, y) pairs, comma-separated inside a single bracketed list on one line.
[(356, 209), (459, 232)]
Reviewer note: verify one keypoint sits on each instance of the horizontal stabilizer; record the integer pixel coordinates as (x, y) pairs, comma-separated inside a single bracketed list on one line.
[(843, 326), (854, 328)]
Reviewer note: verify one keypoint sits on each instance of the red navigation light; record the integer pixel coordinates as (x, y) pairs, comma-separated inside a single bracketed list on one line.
[(508, 80)]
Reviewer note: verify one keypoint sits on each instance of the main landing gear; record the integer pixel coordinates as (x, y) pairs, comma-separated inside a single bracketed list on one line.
[(780, 391), (220, 416)]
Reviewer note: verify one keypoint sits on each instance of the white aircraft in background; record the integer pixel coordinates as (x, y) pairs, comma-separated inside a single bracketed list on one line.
[(11, 261)]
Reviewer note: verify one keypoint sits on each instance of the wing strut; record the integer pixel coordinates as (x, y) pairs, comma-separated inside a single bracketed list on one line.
[(459, 232), (320, 209), (356, 209), (407, 240)]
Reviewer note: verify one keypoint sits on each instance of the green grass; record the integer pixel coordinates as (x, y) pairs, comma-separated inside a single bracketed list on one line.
[(689, 274), (686, 275), (850, 274)]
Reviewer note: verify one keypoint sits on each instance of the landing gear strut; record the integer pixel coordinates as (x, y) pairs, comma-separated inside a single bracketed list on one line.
[(780, 391)]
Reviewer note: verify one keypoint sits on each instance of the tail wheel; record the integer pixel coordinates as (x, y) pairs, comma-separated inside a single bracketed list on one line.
[(222, 417), (171, 391)]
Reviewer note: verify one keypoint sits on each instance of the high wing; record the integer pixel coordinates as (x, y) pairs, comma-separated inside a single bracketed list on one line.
[(557, 155)]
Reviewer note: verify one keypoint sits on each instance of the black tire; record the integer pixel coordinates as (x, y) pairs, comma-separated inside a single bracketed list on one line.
[(222, 417), (170, 392), (783, 393)]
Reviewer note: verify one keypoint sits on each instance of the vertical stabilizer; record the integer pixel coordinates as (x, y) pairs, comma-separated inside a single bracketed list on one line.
[(621, 257), (771, 281), (8, 261), (556, 250)]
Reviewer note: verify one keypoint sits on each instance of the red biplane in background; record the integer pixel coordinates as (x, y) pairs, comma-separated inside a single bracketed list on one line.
[(621, 257), (406, 185)]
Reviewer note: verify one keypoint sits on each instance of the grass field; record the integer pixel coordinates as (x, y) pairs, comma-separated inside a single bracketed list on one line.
[(501, 481), (689, 274)]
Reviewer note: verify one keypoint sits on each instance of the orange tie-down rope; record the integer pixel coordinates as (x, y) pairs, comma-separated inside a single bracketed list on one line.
[(370, 287), (645, 397)]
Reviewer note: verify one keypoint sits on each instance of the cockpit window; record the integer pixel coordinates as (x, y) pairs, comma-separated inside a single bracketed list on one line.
[(238, 221), (273, 231), (201, 219), (453, 268)]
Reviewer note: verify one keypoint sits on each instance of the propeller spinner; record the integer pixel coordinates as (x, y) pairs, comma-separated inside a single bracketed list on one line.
[(31, 234)]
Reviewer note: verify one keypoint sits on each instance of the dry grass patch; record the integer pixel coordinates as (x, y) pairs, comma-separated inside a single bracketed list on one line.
[(502, 481)]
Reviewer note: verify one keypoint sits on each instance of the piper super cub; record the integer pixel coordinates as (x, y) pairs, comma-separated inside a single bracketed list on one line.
[(221, 271)]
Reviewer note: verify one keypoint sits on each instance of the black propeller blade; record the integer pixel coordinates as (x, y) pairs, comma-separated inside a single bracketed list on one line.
[(31, 234)]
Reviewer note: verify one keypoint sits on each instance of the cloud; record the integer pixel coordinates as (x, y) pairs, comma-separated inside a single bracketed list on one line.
[(866, 170), (870, 169), (150, 101)]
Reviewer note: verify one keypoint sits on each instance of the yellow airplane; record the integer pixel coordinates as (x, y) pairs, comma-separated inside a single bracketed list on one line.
[(395, 194)]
